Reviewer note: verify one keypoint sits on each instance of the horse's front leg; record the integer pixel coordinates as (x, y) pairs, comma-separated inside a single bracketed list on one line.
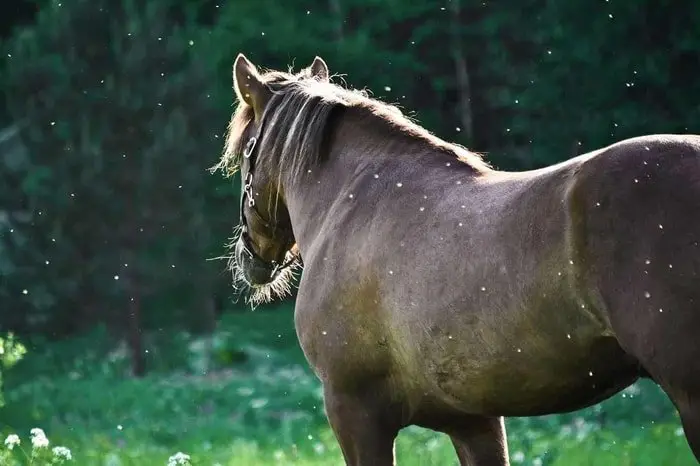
[(481, 442), (364, 424)]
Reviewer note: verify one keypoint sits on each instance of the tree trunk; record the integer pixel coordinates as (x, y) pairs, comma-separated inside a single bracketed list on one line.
[(461, 71), (135, 336), (337, 13)]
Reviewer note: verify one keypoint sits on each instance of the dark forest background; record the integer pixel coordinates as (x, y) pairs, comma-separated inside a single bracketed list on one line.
[(114, 110)]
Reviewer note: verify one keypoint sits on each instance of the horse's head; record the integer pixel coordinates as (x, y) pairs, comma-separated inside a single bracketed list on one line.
[(263, 255)]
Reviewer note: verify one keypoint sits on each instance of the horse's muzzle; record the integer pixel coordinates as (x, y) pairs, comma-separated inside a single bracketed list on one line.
[(256, 271)]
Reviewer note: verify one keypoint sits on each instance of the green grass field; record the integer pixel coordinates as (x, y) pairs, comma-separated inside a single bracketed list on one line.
[(245, 397)]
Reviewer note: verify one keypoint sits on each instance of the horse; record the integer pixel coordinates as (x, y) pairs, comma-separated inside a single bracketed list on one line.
[(438, 291)]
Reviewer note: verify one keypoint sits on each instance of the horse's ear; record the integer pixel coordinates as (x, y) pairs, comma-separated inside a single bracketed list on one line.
[(319, 69), (249, 85)]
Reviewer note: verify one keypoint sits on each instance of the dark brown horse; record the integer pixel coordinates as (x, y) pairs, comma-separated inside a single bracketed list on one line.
[(439, 292)]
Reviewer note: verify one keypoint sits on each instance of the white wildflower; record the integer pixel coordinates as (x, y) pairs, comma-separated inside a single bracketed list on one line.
[(62, 453), (11, 441), (179, 459), (39, 439)]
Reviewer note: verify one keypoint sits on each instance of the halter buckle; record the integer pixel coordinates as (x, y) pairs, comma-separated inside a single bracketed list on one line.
[(248, 182), (248, 189), (249, 147)]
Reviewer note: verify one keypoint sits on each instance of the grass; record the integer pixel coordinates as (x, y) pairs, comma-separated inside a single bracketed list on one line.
[(245, 396)]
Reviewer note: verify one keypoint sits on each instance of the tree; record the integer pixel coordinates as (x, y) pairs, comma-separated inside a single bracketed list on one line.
[(121, 128)]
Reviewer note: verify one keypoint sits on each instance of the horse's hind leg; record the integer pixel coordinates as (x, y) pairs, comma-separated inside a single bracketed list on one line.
[(673, 364), (481, 442), (668, 350), (364, 425), (689, 409), (679, 376), (663, 338)]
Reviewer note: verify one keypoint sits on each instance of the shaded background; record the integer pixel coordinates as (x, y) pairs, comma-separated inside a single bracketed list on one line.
[(113, 110)]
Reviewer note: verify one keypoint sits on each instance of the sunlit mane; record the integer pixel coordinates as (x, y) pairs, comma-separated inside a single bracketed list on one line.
[(296, 122)]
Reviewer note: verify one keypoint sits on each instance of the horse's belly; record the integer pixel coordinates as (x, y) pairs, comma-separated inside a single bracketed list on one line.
[(554, 392), (519, 383), (545, 359)]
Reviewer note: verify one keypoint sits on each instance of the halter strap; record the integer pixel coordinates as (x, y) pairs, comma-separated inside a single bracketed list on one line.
[(250, 153)]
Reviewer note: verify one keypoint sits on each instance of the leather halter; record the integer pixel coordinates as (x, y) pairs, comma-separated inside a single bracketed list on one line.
[(250, 154)]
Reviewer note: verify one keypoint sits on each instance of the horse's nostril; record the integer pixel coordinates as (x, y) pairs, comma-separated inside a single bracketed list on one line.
[(255, 270)]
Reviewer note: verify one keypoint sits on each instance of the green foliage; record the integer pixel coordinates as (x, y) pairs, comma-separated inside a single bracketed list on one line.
[(266, 408), (415, 447), (111, 209), (591, 75), (11, 352)]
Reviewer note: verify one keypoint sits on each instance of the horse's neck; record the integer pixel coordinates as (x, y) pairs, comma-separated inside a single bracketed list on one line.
[(359, 152)]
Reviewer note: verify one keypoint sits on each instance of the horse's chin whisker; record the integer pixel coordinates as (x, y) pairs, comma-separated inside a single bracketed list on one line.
[(280, 287)]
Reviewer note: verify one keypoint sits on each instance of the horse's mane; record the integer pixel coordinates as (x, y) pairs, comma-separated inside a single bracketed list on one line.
[(296, 119)]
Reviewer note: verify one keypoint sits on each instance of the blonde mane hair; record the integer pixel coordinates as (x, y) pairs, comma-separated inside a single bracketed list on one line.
[(296, 120)]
